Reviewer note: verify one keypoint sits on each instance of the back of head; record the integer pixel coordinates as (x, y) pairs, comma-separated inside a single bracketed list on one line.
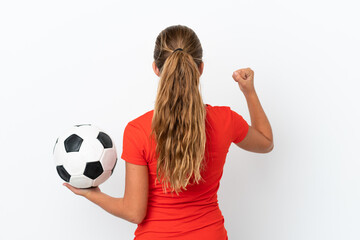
[(178, 122)]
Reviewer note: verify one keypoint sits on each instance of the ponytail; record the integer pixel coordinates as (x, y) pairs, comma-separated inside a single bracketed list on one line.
[(178, 122)]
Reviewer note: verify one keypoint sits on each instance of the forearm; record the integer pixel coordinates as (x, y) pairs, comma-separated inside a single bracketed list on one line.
[(258, 117), (112, 205)]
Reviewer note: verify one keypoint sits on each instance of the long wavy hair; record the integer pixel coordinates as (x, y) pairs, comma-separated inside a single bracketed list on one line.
[(178, 123)]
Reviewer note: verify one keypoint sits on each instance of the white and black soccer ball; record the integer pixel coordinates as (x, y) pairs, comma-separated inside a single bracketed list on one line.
[(85, 156)]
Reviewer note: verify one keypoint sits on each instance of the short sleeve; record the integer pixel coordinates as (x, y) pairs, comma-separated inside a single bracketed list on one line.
[(133, 145), (239, 127)]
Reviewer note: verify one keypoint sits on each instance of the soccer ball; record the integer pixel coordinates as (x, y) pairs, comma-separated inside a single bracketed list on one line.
[(85, 156)]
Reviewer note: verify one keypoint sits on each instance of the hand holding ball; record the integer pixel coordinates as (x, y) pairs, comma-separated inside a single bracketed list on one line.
[(85, 156)]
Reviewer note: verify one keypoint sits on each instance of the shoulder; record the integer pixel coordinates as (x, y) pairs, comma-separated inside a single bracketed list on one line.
[(142, 119), (217, 107), (141, 125), (219, 110)]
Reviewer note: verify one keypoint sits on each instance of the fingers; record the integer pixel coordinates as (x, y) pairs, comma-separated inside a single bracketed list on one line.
[(68, 186), (243, 73), (82, 192), (235, 75), (73, 189)]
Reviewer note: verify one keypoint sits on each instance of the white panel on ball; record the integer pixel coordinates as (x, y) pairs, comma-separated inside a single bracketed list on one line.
[(102, 178), (81, 181), (75, 163), (59, 153), (108, 158), (87, 131), (92, 149)]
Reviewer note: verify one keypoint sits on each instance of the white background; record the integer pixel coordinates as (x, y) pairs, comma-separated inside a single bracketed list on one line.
[(70, 62)]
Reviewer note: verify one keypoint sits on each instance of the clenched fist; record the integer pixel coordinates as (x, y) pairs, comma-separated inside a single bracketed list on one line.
[(245, 78)]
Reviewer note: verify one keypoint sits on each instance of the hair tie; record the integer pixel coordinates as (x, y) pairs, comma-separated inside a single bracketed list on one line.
[(178, 49)]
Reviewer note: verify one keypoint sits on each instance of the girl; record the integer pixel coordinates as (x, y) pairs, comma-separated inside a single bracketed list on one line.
[(175, 153)]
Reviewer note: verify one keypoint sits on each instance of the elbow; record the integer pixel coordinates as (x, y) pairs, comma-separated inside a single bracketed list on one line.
[(270, 148), (139, 216)]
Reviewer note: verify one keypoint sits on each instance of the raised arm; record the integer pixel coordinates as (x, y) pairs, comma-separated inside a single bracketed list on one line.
[(259, 138)]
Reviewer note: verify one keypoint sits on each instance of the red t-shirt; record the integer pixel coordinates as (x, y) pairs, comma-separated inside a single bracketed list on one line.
[(195, 213)]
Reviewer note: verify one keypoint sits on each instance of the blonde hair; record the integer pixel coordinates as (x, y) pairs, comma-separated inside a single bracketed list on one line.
[(178, 122)]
